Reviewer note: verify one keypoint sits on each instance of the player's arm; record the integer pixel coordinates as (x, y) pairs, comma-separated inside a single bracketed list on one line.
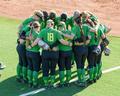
[(27, 43), (61, 40), (27, 39), (88, 40), (65, 42), (37, 39), (94, 29), (35, 42), (108, 29), (104, 39), (71, 36)]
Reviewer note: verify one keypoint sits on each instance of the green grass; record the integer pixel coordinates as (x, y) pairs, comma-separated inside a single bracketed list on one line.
[(108, 85)]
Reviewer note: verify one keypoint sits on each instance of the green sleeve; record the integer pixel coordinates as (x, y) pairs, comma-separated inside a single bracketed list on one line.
[(59, 37), (74, 30), (101, 32), (57, 20), (83, 20), (105, 28), (40, 34), (71, 22), (86, 29), (26, 28), (27, 21), (27, 33)]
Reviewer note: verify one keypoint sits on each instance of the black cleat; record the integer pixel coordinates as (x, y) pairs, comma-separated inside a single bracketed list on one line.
[(98, 77), (83, 84), (61, 85), (24, 81), (52, 86), (35, 86), (30, 85), (95, 80), (19, 80), (67, 84), (46, 86), (89, 82)]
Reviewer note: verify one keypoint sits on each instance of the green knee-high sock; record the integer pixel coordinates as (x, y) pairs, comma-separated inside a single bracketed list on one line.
[(24, 71), (52, 79), (99, 69), (29, 75), (45, 80), (19, 71), (83, 75), (68, 76), (95, 71), (61, 76), (35, 77), (79, 71), (91, 72)]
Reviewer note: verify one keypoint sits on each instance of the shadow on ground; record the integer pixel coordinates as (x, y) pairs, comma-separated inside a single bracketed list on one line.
[(10, 87)]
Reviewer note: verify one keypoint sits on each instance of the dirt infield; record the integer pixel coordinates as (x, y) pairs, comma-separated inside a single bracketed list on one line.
[(108, 11)]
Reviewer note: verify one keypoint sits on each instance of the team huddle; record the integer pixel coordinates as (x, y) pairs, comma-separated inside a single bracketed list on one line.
[(46, 40)]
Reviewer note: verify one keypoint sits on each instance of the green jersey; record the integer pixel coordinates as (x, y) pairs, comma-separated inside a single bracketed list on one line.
[(83, 20), (42, 24), (34, 36), (96, 39), (71, 22), (65, 47), (27, 21), (66, 22), (77, 31), (93, 17), (49, 35), (26, 28), (104, 28), (30, 19)]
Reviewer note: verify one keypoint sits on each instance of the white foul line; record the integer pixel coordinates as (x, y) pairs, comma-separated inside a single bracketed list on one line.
[(111, 69), (43, 89), (33, 92)]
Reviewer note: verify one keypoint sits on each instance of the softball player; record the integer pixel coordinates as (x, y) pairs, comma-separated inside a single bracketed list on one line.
[(33, 55), (63, 17), (65, 55), (21, 50), (76, 14), (106, 30), (37, 16), (53, 16), (50, 56), (81, 39), (22, 65), (89, 18), (93, 52), (45, 13)]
